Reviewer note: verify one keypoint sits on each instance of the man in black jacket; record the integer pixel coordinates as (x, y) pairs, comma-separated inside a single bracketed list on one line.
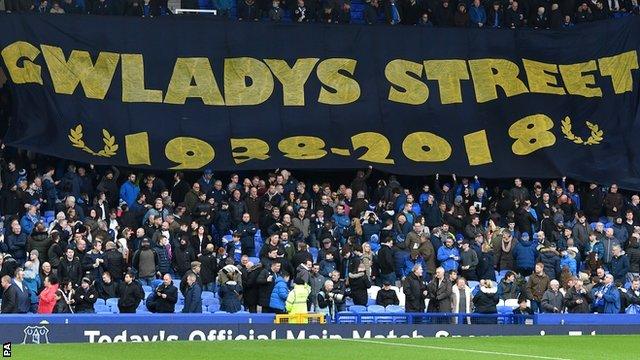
[(250, 284), (114, 262), (386, 296), (84, 297), (70, 268), (208, 268), (9, 297), (577, 299), (107, 289), (415, 291), (130, 294), (439, 293), (385, 262), (166, 296), (266, 281)]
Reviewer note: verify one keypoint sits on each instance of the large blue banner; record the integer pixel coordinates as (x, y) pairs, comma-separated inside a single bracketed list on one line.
[(185, 93)]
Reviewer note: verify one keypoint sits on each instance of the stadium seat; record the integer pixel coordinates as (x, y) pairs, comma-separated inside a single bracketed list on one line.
[(147, 288), (473, 284), (243, 312), (205, 309), (371, 301), (502, 273), (376, 309), (213, 308), (358, 309), (210, 301), (226, 239), (394, 309), (220, 312), (112, 303), (207, 295), (100, 301), (348, 302), (178, 308), (346, 317), (176, 283), (504, 309), (254, 260), (500, 302), (512, 303), (102, 309), (155, 283)]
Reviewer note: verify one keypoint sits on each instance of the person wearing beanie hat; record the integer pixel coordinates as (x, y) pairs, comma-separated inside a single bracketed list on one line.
[(297, 298), (85, 297)]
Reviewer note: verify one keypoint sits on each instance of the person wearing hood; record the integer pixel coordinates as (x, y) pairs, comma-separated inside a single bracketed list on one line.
[(230, 293), (619, 266), (485, 302), (183, 256), (524, 254), (550, 257), (461, 17), (279, 294), (297, 298)]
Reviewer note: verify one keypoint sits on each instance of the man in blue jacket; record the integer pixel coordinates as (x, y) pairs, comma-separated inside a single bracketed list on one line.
[(17, 243), (477, 14), (192, 297), (619, 266), (610, 295), (525, 254), (448, 256), (129, 190)]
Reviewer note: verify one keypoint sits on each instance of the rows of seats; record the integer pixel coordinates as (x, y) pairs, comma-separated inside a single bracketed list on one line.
[(210, 304)]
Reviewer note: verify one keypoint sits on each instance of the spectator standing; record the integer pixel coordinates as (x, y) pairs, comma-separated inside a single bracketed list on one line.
[(193, 296), (130, 294)]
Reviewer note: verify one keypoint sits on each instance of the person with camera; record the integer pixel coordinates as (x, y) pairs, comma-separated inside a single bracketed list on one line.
[(339, 287), (166, 297), (327, 299)]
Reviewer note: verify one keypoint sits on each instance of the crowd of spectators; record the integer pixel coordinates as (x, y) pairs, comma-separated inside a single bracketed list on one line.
[(537, 14), (274, 243)]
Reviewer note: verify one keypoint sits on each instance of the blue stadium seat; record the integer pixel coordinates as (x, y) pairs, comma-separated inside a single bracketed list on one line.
[(155, 283), (210, 301), (376, 309), (113, 304), (254, 260), (504, 309), (213, 308), (226, 239), (503, 273), (176, 283), (473, 284), (220, 312), (178, 308), (102, 309), (314, 254), (205, 309), (242, 312), (346, 317), (394, 309), (147, 288), (50, 214), (358, 309), (371, 301), (100, 301)]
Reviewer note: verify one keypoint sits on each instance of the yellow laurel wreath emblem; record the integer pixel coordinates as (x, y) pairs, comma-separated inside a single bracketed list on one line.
[(594, 138), (110, 146)]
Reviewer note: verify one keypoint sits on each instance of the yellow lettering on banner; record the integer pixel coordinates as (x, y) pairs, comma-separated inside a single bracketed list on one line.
[(577, 82), (137, 148), (531, 133), (490, 73), (249, 149), (236, 73), (377, 145), (133, 89), (302, 147), (448, 73), (66, 74), (426, 147), (542, 77), (292, 78), (195, 71), (190, 153), (477, 146), (412, 91), (29, 72), (619, 67), (337, 89)]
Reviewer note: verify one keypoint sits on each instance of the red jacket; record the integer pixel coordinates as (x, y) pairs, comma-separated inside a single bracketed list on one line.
[(47, 300)]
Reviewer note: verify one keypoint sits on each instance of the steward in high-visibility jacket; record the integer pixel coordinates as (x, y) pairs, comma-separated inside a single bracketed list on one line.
[(297, 299)]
